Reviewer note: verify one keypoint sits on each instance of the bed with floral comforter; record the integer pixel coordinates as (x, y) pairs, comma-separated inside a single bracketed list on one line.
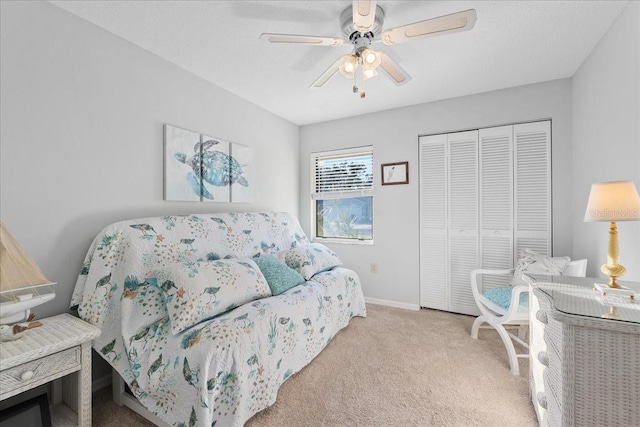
[(219, 371)]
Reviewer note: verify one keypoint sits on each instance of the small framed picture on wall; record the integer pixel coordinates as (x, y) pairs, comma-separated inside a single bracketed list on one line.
[(395, 173)]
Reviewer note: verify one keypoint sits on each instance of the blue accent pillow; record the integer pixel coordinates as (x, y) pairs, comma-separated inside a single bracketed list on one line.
[(502, 298), (280, 277)]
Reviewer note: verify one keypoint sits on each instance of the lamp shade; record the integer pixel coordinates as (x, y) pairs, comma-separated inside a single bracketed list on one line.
[(613, 201)]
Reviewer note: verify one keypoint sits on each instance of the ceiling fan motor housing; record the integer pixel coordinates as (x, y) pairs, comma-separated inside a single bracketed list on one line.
[(349, 32)]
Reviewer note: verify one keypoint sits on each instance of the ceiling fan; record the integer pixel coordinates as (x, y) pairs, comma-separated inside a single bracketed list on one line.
[(361, 25)]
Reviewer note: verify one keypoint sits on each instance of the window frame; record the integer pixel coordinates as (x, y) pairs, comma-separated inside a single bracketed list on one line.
[(314, 196)]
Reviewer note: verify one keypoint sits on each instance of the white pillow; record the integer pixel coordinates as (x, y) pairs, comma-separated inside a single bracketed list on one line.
[(198, 291), (310, 259), (530, 262)]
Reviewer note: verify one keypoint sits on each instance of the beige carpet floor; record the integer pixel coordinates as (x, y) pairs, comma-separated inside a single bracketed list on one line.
[(393, 368)]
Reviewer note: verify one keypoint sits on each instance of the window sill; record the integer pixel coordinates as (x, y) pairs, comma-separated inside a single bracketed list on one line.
[(343, 241)]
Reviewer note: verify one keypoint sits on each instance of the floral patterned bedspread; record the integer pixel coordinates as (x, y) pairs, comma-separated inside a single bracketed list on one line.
[(222, 371)]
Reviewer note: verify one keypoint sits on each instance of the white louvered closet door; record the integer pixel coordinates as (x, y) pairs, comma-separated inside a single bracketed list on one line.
[(484, 195), (532, 169), (462, 218), (496, 202), (433, 213)]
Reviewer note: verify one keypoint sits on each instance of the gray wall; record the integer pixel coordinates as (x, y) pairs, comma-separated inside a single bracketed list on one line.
[(606, 135), (394, 135), (82, 141)]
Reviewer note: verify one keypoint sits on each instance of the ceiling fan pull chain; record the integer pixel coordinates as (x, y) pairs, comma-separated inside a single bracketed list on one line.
[(356, 89)]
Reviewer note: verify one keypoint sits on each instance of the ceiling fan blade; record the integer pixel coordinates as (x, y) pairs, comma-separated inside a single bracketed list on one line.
[(364, 15), (295, 38), (393, 70), (446, 24), (329, 72)]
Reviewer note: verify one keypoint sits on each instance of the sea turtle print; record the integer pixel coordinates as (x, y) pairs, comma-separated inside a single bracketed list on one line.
[(213, 167)]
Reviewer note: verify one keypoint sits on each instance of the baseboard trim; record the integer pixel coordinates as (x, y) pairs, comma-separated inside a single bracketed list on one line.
[(394, 304), (100, 383)]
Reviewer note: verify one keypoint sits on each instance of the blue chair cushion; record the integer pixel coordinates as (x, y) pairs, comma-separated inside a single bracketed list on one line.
[(502, 298)]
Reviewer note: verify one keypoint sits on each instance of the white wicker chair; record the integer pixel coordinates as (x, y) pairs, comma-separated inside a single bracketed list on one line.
[(515, 315)]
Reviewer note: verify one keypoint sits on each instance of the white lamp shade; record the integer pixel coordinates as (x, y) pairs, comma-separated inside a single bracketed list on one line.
[(613, 201)]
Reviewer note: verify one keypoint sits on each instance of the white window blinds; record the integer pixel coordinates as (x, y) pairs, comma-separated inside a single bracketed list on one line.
[(344, 173)]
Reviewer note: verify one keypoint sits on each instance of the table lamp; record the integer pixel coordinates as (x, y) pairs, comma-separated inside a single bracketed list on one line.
[(611, 202)]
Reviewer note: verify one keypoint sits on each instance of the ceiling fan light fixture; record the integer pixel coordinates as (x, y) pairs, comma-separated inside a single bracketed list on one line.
[(371, 58), (348, 67), (368, 73)]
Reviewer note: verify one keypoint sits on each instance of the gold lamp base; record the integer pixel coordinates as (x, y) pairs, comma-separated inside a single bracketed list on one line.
[(613, 280), (612, 268)]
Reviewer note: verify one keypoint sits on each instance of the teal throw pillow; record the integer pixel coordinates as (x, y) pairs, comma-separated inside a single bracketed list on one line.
[(279, 276)]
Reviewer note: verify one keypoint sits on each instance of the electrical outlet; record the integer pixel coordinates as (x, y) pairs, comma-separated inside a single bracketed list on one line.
[(374, 267)]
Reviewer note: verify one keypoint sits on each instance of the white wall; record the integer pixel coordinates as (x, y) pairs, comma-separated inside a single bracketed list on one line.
[(394, 135), (82, 142), (606, 135)]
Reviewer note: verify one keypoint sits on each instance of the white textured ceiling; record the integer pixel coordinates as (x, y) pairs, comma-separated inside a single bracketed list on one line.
[(513, 43)]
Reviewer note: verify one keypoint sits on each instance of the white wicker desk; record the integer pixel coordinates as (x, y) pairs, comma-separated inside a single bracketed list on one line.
[(61, 346), (583, 367)]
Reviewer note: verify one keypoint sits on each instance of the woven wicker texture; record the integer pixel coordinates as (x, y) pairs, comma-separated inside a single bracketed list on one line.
[(592, 361), (62, 345), (56, 333), (613, 363), (42, 370), (538, 319)]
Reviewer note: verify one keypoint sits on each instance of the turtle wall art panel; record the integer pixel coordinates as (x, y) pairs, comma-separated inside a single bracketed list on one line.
[(204, 168), (216, 170), (240, 171), (182, 164)]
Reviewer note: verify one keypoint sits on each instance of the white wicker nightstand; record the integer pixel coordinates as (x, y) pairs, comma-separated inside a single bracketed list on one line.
[(61, 346), (583, 366)]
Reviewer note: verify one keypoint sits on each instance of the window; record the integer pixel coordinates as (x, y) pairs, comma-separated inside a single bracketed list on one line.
[(342, 194)]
